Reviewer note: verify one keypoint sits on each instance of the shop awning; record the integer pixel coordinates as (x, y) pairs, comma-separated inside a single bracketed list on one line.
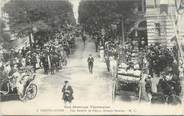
[(19, 43)]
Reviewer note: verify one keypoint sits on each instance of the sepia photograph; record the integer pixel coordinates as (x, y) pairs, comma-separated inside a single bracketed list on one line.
[(91, 57)]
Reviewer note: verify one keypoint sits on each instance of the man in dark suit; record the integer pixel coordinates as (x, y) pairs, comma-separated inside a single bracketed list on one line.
[(67, 92), (84, 40), (90, 63)]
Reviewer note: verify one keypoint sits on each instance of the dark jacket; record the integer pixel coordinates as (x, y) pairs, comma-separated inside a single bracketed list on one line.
[(148, 86), (67, 93), (90, 60)]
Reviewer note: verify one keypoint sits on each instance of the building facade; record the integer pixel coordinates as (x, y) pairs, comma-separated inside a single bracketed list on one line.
[(160, 16)]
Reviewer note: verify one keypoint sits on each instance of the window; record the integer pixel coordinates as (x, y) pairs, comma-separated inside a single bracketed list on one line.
[(157, 27), (152, 3)]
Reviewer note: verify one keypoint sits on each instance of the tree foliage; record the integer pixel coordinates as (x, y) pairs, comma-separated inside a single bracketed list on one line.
[(48, 15), (97, 14), (4, 36)]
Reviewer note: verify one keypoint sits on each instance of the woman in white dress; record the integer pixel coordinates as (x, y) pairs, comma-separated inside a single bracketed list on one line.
[(113, 66), (23, 62), (101, 53), (38, 61)]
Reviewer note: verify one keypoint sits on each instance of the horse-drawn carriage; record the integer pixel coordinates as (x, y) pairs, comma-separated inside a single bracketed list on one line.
[(20, 85), (127, 79)]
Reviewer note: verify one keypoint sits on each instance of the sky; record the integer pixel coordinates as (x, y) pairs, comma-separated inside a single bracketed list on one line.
[(75, 4), (2, 2)]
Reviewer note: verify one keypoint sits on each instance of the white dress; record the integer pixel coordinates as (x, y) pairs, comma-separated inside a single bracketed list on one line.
[(7, 68), (101, 54), (23, 62), (154, 81), (38, 60), (113, 66)]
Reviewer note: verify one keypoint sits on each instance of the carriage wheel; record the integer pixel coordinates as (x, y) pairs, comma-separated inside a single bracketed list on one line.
[(31, 91), (173, 100), (21, 97)]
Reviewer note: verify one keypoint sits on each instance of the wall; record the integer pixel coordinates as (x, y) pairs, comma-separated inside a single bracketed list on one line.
[(159, 24)]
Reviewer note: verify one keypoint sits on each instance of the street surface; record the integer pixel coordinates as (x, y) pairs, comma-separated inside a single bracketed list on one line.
[(89, 89)]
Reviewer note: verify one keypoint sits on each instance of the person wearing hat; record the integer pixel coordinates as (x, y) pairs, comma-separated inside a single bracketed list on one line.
[(107, 61), (96, 42), (84, 39), (67, 92), (90, 63)]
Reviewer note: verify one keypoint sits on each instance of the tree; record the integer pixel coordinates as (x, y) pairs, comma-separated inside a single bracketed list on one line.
[(4, 36), (94, 15), (43, 15)]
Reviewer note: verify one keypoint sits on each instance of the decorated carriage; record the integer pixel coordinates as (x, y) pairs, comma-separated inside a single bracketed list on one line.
[(19, 85), (127, 79)]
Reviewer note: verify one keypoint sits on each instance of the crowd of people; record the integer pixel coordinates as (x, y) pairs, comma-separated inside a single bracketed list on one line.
[(159, 64), (51, 57), (161, 72), (108, 51)]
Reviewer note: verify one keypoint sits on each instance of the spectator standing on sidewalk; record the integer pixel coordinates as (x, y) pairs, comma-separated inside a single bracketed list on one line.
[(90, 63), (101, 53), (96, 43), (148, 88), (107, 61), (113, 66), (84, 40)]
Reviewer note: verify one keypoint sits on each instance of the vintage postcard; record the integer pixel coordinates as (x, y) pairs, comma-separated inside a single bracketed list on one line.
[(91, 57)]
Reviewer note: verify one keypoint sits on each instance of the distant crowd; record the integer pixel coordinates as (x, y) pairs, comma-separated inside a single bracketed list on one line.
[(52, 56)]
